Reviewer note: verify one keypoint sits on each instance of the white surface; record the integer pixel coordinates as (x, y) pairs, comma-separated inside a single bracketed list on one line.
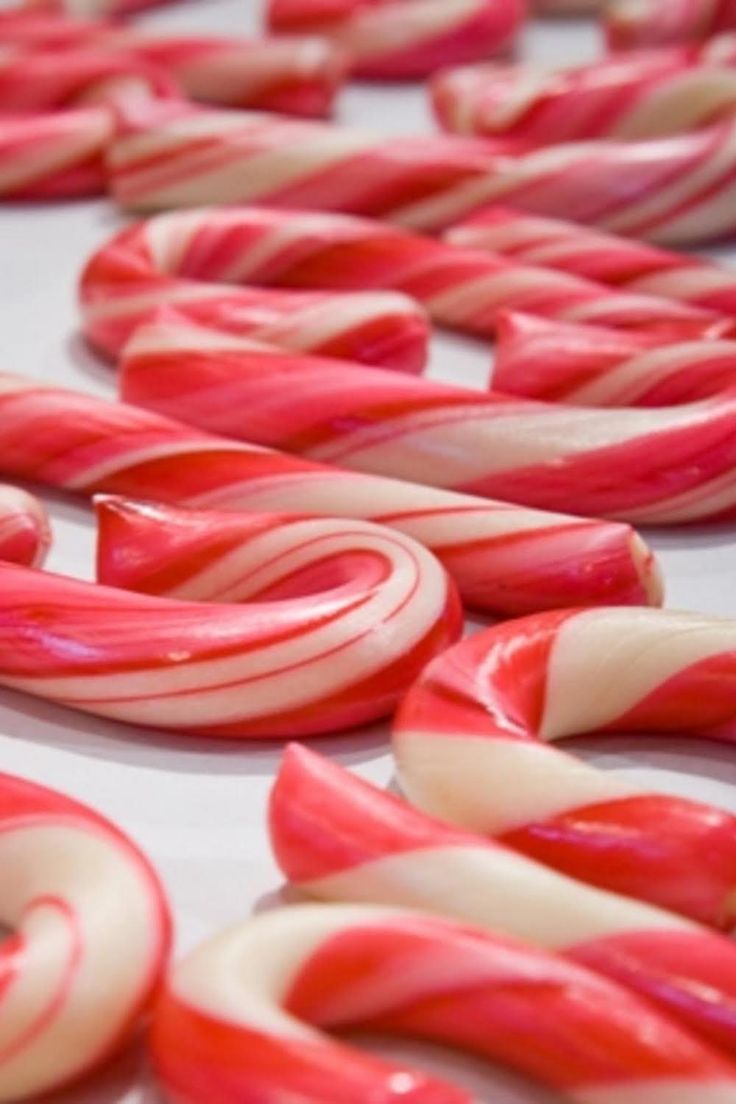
[(198, 808)]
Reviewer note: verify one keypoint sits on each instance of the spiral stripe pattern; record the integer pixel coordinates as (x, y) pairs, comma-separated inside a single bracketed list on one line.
[(505, 559), (635, 23), (338, 838), (672, 465), (310, 968), (44, 156), (77, 973)]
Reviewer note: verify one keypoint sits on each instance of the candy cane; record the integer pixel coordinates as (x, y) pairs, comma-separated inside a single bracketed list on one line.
[(592, 366), (609, 259), (482, 719), (405, 38), (90, 933), (677, 189), (39, 30), (338, 838), (44, 156), (505, 559), (638, 95), (635, 23), (671, 465), (240, 1017), (188, 259), (25, 535), (353, 612), (91, 9), (57, 79)]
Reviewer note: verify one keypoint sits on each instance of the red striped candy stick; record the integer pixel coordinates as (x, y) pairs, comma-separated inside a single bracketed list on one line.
[(46, 156), (390, 39), (678, 189), (244, 1016), (672, 466), (639, 95), (25, 535), (338, 618), (338, 838), (593, 366), (90, 933), (621, 263), (215, 267), (472, 742), (505, 559), (634, 23)]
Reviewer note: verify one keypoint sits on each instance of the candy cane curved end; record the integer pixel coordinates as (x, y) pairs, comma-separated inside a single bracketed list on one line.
[(340, 618), (339, 838), (239, 1017), (25, 534), (90, 934), (472, 742)]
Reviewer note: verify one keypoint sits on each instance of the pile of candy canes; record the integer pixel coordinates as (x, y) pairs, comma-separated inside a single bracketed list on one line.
[(291, 519)]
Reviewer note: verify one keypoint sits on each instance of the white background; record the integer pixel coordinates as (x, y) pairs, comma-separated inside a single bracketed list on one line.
[(198, 807)]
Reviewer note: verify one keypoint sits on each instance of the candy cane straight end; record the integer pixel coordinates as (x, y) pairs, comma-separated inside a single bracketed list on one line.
[(91, 934), (25, 533)]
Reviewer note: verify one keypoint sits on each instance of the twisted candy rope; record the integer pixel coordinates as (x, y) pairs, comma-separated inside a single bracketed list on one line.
[(299, 76), (45, 156), (339, 619), (472, 745), (505, 559), (173, 261), (90, 935), (608, 259), (188, 259), (405, 38), (24, 528), (673, 465), (240, 1018), (340, 839), (636, 23), (677, 189), (592, 366), (638, 95)]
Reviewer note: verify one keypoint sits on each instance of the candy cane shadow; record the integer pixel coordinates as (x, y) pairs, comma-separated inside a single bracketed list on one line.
[(487, 1083)]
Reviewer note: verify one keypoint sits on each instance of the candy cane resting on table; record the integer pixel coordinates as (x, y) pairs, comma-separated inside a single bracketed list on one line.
[(593, 366), (639, 95), (340, 617), (338, 838), (191, 260), (678, 189), (505, 559), (46, 156), (636, 23), (90, 932), (243, 1017), (622, 263), (25, 535), (405, 38), (673, 465)]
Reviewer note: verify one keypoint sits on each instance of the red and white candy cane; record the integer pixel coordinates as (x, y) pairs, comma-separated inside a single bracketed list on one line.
[(679, 189), (47, 156), (593, 366), (622, 263), (51, 80), (90, 933), (505, 559), (405, 38), (472, 742), (672, 465), (339, 618), (636, 23), (638, 95), (243, 1017), (338, 838), (192, 260), (25, 535)]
